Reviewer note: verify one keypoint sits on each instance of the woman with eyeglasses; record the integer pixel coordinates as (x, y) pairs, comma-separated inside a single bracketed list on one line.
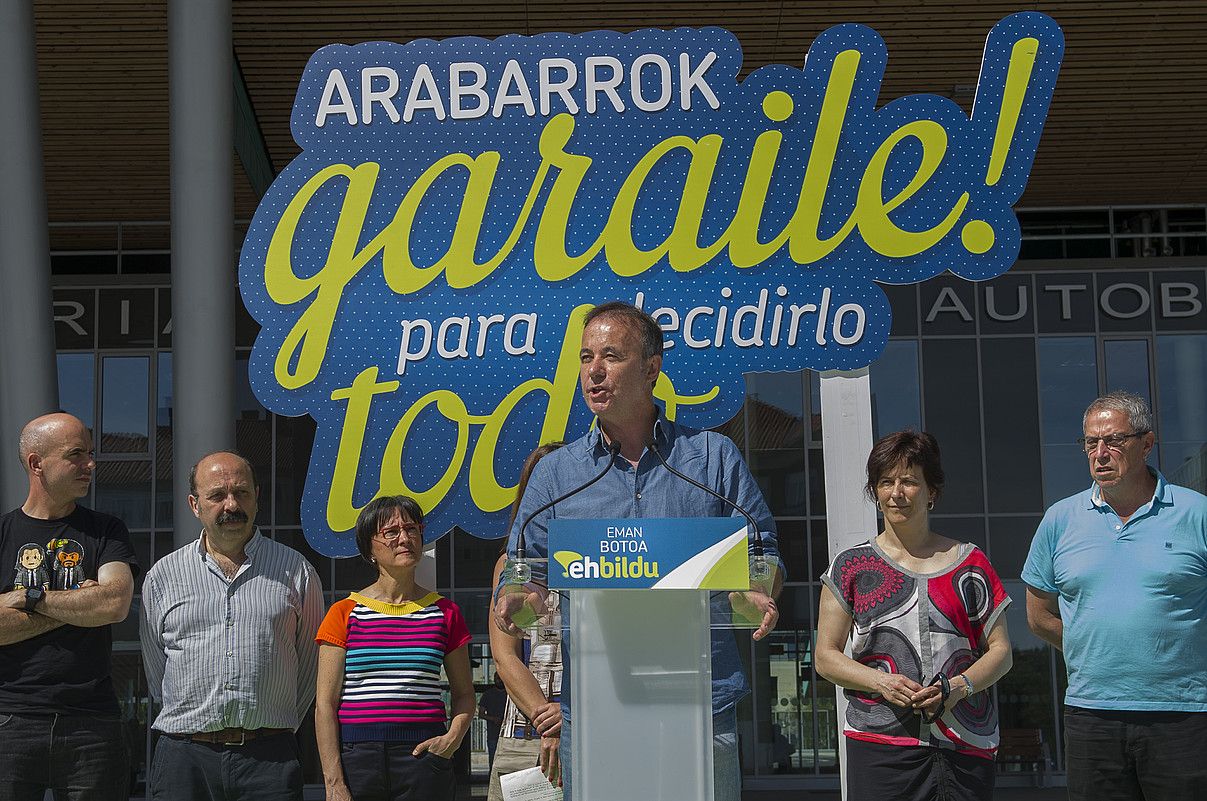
[(380, 719), (923, 614)]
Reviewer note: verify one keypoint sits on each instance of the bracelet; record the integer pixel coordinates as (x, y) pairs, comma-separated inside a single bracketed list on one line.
[(968, 684)]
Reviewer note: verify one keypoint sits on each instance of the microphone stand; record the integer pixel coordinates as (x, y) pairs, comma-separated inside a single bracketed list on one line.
[(518, 570), (760, 568)]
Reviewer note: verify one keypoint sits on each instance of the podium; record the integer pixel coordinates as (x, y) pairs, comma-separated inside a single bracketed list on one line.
[(640, 651)]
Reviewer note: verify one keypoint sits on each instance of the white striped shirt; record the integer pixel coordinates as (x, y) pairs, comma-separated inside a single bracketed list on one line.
[(231, 653)]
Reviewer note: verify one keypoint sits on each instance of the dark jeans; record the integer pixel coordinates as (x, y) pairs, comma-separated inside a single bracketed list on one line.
[(79, 758), (1135, 756), (263, 769), (379, 771)]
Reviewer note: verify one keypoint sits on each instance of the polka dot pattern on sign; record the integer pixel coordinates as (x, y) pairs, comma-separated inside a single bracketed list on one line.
[(416, 270)]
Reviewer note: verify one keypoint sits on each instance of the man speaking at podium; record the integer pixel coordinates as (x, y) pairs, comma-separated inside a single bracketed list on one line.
[(620, 361)]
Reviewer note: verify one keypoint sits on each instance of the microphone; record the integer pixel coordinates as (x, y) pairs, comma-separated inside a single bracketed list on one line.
[(760, 568), (520, 572)]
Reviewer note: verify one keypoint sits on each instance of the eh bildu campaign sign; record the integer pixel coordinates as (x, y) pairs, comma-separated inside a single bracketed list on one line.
[(671, 553), (421, 269)]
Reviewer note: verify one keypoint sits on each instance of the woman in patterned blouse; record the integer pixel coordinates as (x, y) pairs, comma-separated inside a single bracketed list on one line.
[(924, 617), (380, 719)]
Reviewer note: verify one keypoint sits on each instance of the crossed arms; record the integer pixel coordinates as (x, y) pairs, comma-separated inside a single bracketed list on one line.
[(95, 603)]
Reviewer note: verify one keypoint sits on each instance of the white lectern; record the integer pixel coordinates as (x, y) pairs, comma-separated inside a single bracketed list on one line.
[(641, 688), (640, 650)]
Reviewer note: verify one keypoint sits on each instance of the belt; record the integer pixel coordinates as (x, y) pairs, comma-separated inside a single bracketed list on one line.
[(230, 736)]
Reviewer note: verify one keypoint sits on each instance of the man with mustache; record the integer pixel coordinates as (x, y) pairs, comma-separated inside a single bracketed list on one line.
[(228, 626), (60, 725)]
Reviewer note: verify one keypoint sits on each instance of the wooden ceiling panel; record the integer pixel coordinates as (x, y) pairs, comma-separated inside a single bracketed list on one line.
[(1126, 125)]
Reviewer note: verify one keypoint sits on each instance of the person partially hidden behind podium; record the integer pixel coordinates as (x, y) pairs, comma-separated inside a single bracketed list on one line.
[(621, 358)]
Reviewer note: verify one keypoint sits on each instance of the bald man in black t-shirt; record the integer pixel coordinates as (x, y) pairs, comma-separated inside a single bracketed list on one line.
[(62, 728)]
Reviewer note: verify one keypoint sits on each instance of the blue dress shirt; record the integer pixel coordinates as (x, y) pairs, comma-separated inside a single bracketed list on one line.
[(649, 490)]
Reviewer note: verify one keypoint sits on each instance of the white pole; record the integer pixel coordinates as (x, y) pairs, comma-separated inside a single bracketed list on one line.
[(846, 435)]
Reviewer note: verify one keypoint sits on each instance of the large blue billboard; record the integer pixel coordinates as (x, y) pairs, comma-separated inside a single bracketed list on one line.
[(421, 268)]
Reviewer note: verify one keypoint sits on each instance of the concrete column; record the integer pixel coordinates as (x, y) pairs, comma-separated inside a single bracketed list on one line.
[(28, 378), (201, 107), (846, 435)]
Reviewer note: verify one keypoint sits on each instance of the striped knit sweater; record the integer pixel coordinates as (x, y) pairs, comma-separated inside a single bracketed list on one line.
[(392, 668)]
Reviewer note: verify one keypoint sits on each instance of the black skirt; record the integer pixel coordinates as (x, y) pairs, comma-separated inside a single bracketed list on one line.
[(880, 772)]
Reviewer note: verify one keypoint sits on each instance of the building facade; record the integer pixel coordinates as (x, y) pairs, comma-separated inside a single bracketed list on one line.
[(1000, 372)]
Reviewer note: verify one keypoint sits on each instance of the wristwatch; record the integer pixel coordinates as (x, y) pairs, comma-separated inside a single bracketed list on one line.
[(33, 595)]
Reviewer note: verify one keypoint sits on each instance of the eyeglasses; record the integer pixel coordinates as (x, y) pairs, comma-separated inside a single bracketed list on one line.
[(388, 535), (1112, 441)]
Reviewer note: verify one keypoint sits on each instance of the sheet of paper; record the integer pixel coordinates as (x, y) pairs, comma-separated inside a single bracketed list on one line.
[(529, 785)]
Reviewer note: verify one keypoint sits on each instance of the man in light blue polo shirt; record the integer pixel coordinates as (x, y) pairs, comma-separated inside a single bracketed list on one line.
[(1117, 579)]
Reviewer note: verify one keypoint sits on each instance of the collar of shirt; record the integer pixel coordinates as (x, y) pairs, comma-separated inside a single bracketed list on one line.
[(1161, 497), (663, 435), (249, 551)]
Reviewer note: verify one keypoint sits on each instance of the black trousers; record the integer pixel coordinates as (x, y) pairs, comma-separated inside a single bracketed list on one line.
[(1135, 756), (879, 772), (263, 769), (79, 758), (380, 771)]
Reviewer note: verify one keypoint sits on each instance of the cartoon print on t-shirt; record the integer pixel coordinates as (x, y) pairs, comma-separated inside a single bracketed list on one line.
[(31, 567), (67, 564)]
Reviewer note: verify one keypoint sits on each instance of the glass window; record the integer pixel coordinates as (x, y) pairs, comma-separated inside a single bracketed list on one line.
[(295, 437), (953, 415), (164, 545), (793, 537), (475, 606), (964, 529), (819, 551), (814, 407), (253, 438), (352, 574), (473, 558), (1182, 381), (903, 300), (1012, 462), (781, 476), (123, 489), (775, 410), (1068, 382), (773, 432), (164, 498), (896, 393), (1127, 366), (1025, 694), (77, 385), (83, 264), (322, 564), (1064, 222), (1009, 541), (826, 728), (817, 483), (126, 384), (784, 674)]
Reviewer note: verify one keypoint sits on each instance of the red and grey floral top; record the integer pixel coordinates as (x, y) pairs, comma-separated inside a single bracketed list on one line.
[(919, 625)]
